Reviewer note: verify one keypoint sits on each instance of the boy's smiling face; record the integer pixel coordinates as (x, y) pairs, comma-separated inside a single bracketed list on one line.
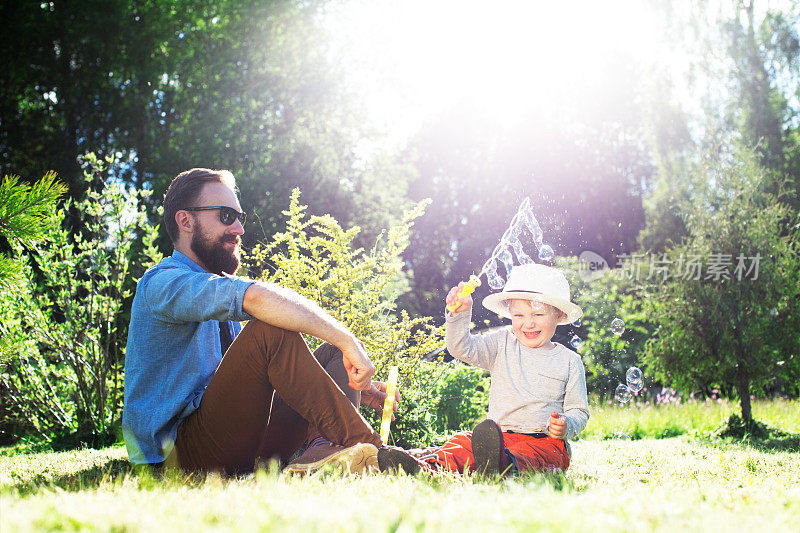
[(534, 327)]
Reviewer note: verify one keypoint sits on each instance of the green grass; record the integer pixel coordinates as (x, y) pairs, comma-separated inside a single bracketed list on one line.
[(672, 484), (686, 418)]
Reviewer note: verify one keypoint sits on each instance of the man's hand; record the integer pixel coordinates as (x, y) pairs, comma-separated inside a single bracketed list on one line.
[(464, 303), (375, 397), (556, 426), (358, 366)]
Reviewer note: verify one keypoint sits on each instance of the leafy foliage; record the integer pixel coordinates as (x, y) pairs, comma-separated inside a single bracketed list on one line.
[(24, 218), (315, 257), (604, 296), (174, 84), (739, 331), (67, 383), (746, 71)]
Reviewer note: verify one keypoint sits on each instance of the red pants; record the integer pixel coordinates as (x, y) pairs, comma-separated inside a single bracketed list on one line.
[(529, 452)]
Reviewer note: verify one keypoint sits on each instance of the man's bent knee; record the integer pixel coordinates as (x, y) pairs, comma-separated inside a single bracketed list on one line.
[(263, 329), (327, 353)]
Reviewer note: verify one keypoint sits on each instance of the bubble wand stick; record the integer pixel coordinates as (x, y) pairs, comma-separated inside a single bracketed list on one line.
[(388, 403)]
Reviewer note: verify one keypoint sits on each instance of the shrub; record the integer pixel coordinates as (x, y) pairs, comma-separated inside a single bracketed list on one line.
[(68, 380), (316, 258), (24, 219)]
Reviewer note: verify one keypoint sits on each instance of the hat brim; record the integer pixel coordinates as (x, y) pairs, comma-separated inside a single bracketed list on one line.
[(494, 303)]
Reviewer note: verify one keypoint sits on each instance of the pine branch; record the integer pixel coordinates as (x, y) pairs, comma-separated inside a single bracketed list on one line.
[(24, 208)]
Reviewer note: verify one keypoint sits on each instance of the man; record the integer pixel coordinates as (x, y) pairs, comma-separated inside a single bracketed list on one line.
[(204, 394)]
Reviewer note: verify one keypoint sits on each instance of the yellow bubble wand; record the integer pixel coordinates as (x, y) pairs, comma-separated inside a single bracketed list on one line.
[(388, 403), (467, 289)]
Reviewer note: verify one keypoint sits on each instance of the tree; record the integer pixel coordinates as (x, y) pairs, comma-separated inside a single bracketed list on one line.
[(744, 68), (24, 211), (735, 323), (167, 85)]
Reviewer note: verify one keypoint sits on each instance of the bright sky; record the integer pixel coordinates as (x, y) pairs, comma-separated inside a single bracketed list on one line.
[(413, 57)]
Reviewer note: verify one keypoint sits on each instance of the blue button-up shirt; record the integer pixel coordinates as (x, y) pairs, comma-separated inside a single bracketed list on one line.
[(174, 349)]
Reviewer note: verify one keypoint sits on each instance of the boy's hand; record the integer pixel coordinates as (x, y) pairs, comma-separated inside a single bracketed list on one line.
[(556, 426), (464, 303)]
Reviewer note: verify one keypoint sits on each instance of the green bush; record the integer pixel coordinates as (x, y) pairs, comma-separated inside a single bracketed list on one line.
[(316, 258), (24, 219), (67, 382), (460, 397), (607, 295)]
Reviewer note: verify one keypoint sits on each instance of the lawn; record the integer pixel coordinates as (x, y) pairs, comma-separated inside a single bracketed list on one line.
[(643, 484)]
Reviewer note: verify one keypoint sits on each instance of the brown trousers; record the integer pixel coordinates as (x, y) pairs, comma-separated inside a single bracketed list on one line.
[(268, 394)]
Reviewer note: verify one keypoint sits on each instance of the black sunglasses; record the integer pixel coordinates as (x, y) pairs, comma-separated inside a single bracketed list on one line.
[(227, 215)]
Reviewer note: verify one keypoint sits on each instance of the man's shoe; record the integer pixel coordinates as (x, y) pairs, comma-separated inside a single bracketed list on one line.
[(488, 449), (393, 460), (358, 459)]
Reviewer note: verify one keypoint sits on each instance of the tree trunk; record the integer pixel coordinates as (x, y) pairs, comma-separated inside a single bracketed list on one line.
[(743, 387)]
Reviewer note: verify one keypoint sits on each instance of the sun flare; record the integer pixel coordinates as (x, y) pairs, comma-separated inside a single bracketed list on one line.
[(413, 58)]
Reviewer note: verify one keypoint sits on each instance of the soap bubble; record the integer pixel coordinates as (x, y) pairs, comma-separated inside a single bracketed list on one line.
[(576, 342), (633, 374), (634, 377), (498, 249), (577, 323), (537, 303), (773, 312), (617, 326), (508, 236), (494, 279), (622, 394), (512, 233), (546, 253), (490, 264), (522, 257), (508, 261)]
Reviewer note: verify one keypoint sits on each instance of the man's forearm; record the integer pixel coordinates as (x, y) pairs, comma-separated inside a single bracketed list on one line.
[(286, 309)]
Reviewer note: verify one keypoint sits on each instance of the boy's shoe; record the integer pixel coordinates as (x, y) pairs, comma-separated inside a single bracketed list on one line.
[(393, 460), (488, 449), (358, 459)]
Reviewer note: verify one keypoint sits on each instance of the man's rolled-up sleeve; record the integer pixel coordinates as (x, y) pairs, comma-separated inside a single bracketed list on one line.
[(177, 295)]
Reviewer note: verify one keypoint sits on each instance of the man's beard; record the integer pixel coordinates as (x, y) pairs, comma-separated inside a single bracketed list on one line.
[(214, 256)]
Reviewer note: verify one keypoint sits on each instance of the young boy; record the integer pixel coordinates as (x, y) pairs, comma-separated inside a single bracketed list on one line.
[(537, 399)]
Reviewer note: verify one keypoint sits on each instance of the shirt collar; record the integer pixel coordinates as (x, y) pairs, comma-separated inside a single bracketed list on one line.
[(184, 260)]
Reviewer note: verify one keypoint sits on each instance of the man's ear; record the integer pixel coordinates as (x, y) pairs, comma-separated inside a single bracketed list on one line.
[(184, 221)]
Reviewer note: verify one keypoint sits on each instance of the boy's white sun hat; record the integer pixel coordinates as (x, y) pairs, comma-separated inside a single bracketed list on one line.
[(535, 282)]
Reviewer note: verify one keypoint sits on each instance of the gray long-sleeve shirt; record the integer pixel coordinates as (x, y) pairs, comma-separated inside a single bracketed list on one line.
[(527, 383)]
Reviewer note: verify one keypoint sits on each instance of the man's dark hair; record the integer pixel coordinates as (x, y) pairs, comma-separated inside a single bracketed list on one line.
[(184, 191)]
